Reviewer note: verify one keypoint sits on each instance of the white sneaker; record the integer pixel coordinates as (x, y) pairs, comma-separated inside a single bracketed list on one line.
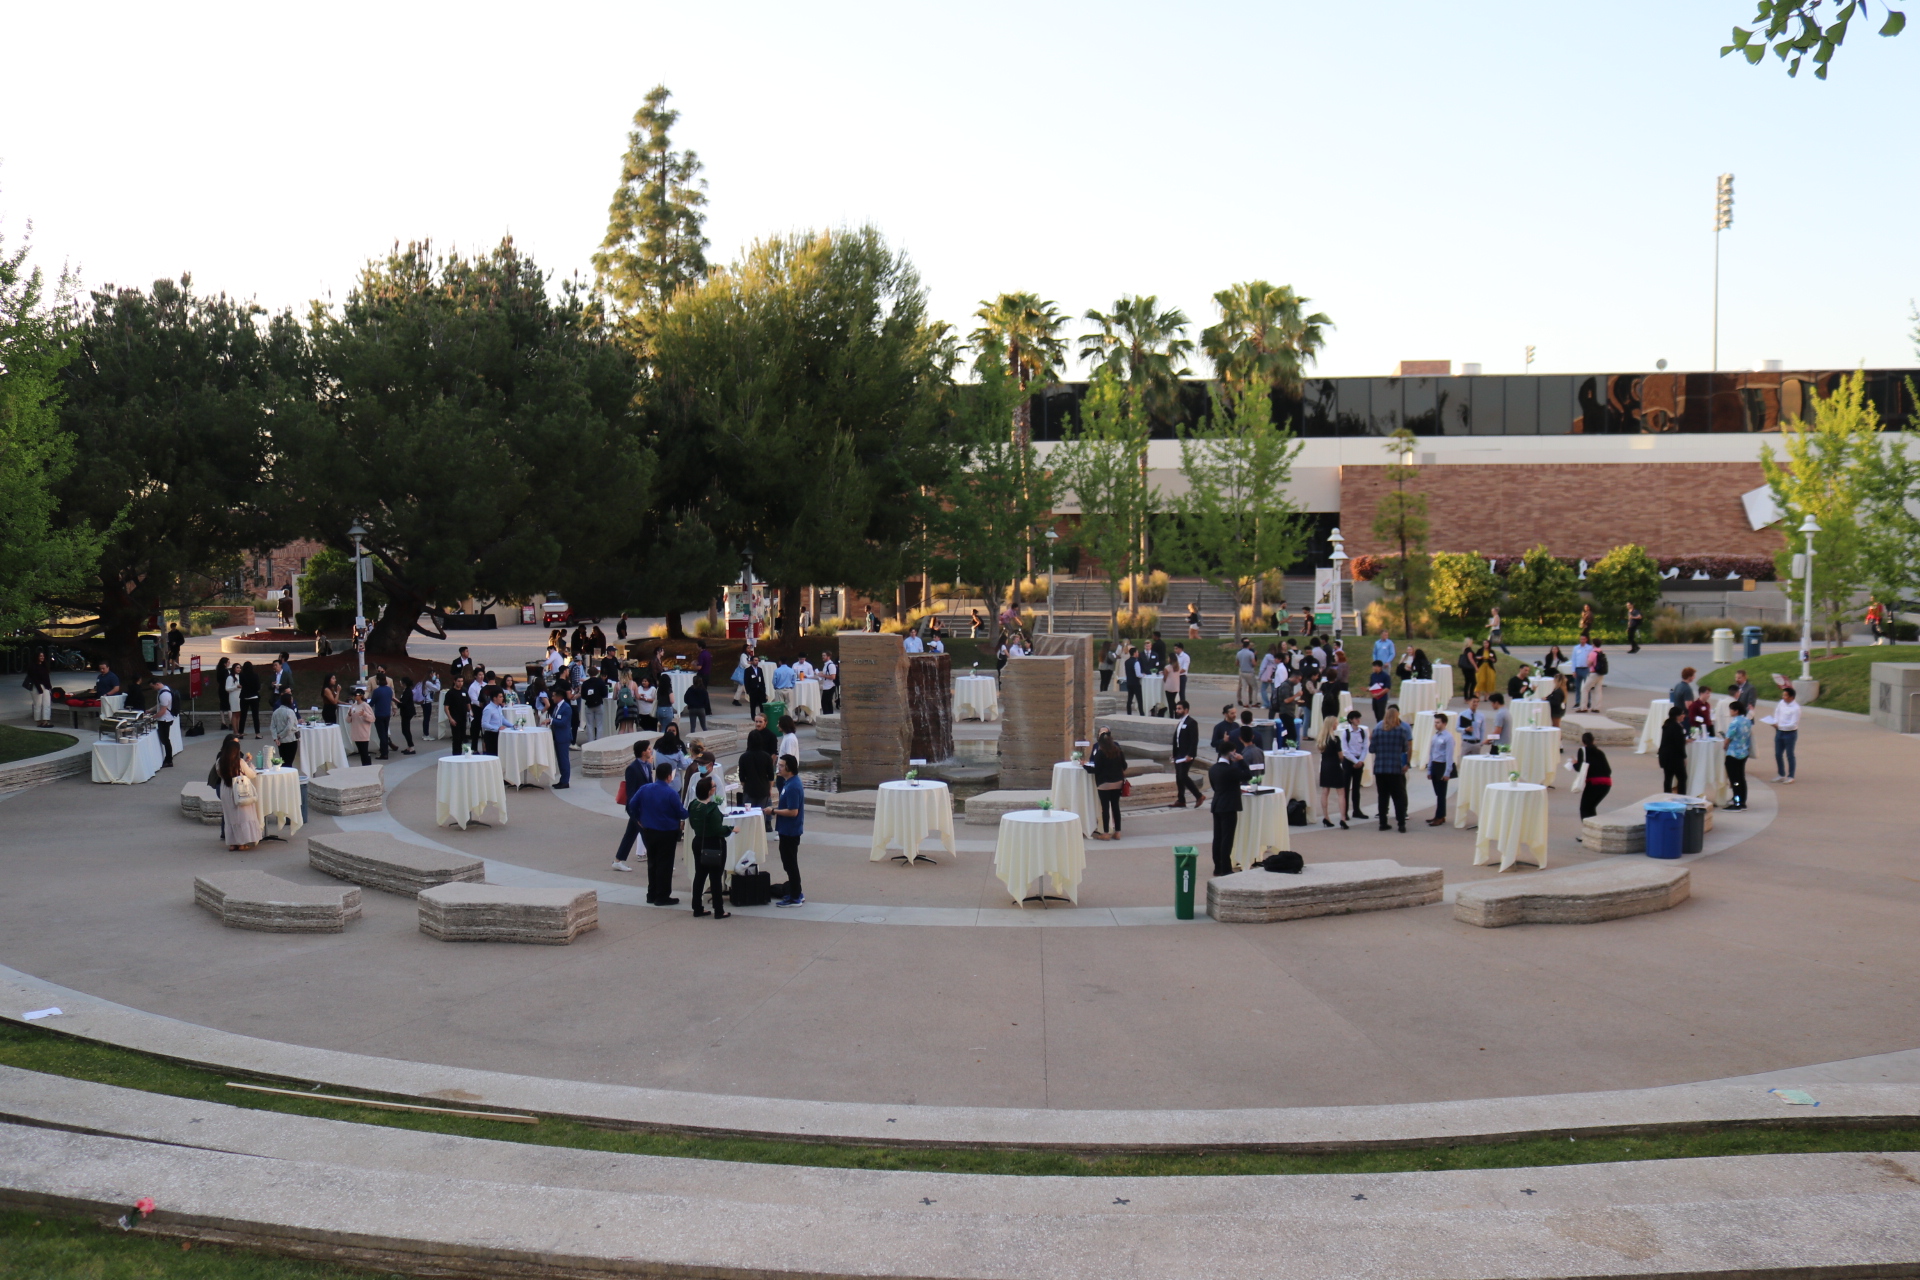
[(621, 866), (1780, 777), (1790, 781)]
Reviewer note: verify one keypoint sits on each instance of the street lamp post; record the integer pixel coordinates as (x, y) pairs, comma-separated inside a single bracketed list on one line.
[(357, 533), (1339, 558), (1808, 527), (1052, 537)]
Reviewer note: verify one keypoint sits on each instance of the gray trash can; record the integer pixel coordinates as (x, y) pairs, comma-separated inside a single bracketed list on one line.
[(1750, 642), (1722, 646), (1693, 831)]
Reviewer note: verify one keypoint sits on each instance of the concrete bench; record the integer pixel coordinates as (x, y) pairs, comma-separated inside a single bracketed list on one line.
[(722, 740), (1154, 752), (1624, 830), (987, 808), (1606, 731), (359, 789), (1579, 895), (1321, 889), (200, 802), (463, 912), (1150, 791), (256, 900), (609, 757), (857, 805), (379, 861), (827, 728)]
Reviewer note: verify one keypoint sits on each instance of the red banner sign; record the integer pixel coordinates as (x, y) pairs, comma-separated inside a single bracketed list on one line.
[(193, 676)]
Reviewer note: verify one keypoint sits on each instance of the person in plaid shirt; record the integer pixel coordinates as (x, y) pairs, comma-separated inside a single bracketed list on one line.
[(1392, 749)]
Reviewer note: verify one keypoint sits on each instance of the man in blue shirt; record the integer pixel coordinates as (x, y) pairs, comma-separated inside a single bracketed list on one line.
[(106, 684), (657, 808), (1582, 659), (1383, 651), (783, 677), (561, 723), (639, 773), (789, 820), (382, 700)]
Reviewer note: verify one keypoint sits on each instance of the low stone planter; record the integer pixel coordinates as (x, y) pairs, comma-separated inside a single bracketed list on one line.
[(268, 904), (501, 913), (1321, 889), (987, 808), (1579, 895)]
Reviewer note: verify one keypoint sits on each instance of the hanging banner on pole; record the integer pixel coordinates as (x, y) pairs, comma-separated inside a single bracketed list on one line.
[(1323, 596)]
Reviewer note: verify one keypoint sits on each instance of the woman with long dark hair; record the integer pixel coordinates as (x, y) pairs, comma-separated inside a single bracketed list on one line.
[(330, 700), (219, 683), (239, 796), (1109, 770), (406, 714)]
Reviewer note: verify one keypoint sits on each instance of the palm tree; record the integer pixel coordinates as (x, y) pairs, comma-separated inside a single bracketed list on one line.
[(1023, 330), (1145, 346), (1263, 335)]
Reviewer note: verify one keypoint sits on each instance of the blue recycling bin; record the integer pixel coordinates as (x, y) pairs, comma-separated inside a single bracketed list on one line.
[(1750, 642), (1665, 829)]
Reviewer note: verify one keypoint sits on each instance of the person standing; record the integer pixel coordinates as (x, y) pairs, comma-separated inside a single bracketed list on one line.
[(1354, 741), (1392, 749), (662, 818), (409, 703), (639, 773), (360, 725), (457, 714), (710, 832), (239, 797), (1739, 749), (1383, 650), (163, 713), (40, 681), (1499, 731), (560, 724), (427, 695), (1111, 656), (789, 823), (249, 698), (1228, 775), (462, 665), (593, 701), (1469, 668), (1440, 764), (1557, 699), (1379, 689), (754, 680), (176, 641), (1333, 772), (1786, 735), (1269, 665), (1633, 627), (1136, 696), (1742, 690), (1186, 745), (829, 682), (1581, 664), (700, 705), (1246, 665), (1596, 675), (493, 718), (1599, 779), (1673, 751), (756, 772), (1471, 726), (1108, 766), (330, 700), (381, 700), (284, 728), (1182, 663)]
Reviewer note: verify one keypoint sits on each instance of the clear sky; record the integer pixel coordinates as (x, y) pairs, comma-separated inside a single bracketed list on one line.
[(1446, 181)]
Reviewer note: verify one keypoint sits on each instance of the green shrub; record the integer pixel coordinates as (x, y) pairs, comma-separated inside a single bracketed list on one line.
[(1625, 574), (1462, 586), (1542, 587), (329, 620), (1670, 628)]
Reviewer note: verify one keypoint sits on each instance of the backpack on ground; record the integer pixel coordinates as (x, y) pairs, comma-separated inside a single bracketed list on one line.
[(753, 889), (1286, 862), (1296, 813)]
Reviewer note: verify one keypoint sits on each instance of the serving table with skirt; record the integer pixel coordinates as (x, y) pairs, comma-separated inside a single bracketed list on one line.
[(527, 756), (1536, 752), (1295, 772), (323, 747), (1513, 819), (1073, 792), (905, 813), (279, 797), (465, 787), (1529, 713), (128, 762), (803, 700), (1477, 773), (1417, 696), (1707, 771), (749, 836), (1153, 691), (1262, 828), (1044, 845), (1442, 685), (976, 698)]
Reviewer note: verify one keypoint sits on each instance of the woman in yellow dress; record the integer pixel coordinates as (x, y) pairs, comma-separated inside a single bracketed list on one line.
[(1485, 679)]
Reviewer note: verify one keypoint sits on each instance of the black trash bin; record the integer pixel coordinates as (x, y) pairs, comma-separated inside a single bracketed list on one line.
[(1693, 830), (1750, 642)]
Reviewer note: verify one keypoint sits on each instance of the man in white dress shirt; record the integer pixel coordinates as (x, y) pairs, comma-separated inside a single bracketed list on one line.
[(1786, 734), (912, 643)]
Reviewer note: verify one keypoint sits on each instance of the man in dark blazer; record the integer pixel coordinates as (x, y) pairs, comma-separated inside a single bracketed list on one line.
[(1228, 775), (1186, 744)]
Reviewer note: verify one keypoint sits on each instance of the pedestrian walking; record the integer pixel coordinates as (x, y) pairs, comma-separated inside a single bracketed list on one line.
[(1496, 631), (639, 773), (1186, 745), (1392, 750), (1633, 627), (1599, 780)]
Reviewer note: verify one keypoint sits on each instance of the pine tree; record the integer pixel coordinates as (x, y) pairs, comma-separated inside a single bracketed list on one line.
[(655, 240)]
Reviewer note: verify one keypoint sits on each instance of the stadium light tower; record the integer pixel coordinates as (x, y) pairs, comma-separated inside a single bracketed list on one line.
[(1722, 219)]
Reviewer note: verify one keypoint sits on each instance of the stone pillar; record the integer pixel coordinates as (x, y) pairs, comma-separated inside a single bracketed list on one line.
[(1036, 709), (930, 706), (1080, 649), (874, 729)]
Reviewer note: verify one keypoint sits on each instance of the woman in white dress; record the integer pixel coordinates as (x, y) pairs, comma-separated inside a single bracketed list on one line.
[(239, 797)]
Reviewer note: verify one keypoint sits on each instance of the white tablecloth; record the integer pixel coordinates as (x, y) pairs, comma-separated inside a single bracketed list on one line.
[(1650, 731), (1295, 772), (1536, 753), (1423, 740), (804, 700), (279, 791), (767, 668), (1442, 685), (1318, 719), (1417, 696), (1525, 713), (112, 704), (1513, 819), (1037, 843), (749, 836), (1153, 689), (526, 755), (976, 698), (1073, 792), (127, 762), (907, 813), (1707, 770), (1476, 774), (322, 747), (680, 682), (519, 715), (1263, 826), (1542, 686), (465, 787)]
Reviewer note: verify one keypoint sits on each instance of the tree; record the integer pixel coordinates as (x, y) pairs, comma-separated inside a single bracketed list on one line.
[(1023, 333), (655, 243), (1772, 18), (1401, 521), (800, 392), (1828, 472), (1264, 336), (38, 558), (1145, 346), (998, 494), (1625, 575), (480, 429), (1463, 585), (180, 405), (1099, 463), (1235, 521), (1542, 586)]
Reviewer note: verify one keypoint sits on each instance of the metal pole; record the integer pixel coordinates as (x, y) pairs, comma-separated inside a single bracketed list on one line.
[(359, 611), (1716, 304), (1051, 537), (1806, 621)]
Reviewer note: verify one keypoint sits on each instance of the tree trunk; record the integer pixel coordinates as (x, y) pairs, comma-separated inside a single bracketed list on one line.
[(1255, 602), (673, 626), (389, 633), (1113, 610), (120, 616)]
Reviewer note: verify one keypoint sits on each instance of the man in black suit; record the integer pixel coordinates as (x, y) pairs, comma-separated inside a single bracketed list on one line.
[(1186, 743), (1226, 778), (1226, 733)]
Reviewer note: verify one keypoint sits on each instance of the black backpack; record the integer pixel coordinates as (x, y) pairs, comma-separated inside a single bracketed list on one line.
[(752, 890), (1296, 813), (1287, 863)]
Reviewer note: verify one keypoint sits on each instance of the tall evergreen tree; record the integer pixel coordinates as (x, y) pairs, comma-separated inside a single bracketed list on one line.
[(1401, 521), (1147, 347), (655, 242)]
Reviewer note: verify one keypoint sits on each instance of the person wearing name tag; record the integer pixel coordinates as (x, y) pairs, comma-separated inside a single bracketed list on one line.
[(1440, 765)]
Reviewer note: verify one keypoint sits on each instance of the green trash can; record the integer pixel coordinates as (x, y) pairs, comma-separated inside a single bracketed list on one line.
[(773, 711), (1186, 869)]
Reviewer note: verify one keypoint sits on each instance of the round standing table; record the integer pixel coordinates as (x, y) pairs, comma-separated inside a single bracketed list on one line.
[(526, 755), (1294, 772), (805, 700), (322, 747), (1707, 771), (1153, 692), (279, 797), (749, 836), (1040, 845), (905, 813), (1513, 818), (1417, 696), (1262, 828), (1650, 730), (1477, 773), (465, 787), (1529, 713), (1442, 685), (976, 698), (1536, 750), (1073, 793)]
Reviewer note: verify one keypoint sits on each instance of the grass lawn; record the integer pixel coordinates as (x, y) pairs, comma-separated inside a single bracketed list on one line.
[(1846, 681), (49, 1246), (22, 744), (39, 1049)]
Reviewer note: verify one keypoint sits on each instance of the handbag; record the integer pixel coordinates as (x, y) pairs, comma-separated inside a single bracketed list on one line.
[(1126, 788), (620, 797), (710, 855), (243, 792)]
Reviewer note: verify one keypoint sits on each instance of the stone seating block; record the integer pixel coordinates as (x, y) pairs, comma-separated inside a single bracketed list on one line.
[(1606, 731), (1150, 791), (1321, 889), (1635, 717), (465, 912), (722, 740), (379, 861), (1623, 831), (609, 757), (987, 808), (358, 789), (1157, 752), (1140, 728), (255, 900), (200, 802), (827, 728), (857, 805), (1579, 895)]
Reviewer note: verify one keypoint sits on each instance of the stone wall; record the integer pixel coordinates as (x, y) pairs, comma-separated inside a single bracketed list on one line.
[(930, 706), (1036, 711), (1079, 647), (876, 733)]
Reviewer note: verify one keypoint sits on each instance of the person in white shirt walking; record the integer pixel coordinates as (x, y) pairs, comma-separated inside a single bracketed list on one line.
[(1786, 735)]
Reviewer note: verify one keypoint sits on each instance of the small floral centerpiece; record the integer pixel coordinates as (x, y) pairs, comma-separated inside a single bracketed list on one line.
[(1046, 806), (913, 775), (1514, 776)]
